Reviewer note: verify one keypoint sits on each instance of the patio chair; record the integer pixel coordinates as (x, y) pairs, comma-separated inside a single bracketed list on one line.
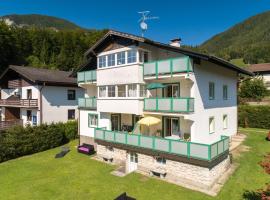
[(64, 151)]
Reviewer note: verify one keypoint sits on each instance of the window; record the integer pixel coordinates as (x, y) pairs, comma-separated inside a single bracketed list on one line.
[(102, 91), (225, 121), (142, 91), (161, 160), (71, 95), (92, 120), (102, 61), (111, 60), (211, 90), (132, 56), (121, 58), (211, 125), (143, 56), (71, 114), (225, 92), (134, 157), (132, 90), (111, 91), (29, 93), (29, 115), (121, 90)]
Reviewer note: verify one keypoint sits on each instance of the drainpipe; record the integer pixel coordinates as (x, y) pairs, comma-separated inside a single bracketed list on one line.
[(40, 103)]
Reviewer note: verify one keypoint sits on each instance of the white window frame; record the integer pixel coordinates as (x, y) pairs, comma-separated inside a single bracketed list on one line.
[(211, 125), (110, 92), (133, 90), (132, 57), (225, 121), (125, 57), (92, 120), (122, 91), (99, 91), (103, 61), (111, 59)]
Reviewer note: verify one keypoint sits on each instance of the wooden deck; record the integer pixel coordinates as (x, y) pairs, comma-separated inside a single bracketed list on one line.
[(28, 103)]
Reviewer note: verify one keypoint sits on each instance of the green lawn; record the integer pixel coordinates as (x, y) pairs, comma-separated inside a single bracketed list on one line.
[(76, 176)]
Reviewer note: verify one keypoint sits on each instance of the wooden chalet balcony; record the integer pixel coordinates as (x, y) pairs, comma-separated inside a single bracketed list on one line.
[(8, 124), (27, 103)]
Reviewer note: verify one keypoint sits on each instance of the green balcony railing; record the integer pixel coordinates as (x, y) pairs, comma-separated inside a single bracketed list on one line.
[(171, 104), (90, 103), (169, 66), (182, 148), (87, 76)]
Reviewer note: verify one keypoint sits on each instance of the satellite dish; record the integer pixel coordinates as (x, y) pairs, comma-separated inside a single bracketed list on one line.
[(143, 26), (143, 20)]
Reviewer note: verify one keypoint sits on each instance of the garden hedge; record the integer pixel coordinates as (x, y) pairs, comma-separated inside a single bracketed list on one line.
[(254, 116), (19, 141)]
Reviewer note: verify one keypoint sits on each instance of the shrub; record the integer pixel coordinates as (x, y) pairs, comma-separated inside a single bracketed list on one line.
[(254, 116), (18, 141), (253, 89)]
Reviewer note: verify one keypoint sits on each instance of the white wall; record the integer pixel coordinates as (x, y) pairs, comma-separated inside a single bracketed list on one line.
[(5, 93), (84, 129), (205, 108), (266, 78), (35, 92), (128, 106), (120, 75), (55, 104), (23, 116)]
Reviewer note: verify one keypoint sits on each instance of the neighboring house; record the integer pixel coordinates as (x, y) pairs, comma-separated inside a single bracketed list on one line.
[(34, 96), (262, 69), (191, 96)]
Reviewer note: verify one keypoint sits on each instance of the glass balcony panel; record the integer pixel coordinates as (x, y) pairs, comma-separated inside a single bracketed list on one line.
[(164, 67), (198, 151)]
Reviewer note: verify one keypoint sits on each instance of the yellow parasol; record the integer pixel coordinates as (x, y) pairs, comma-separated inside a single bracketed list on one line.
[(148, 121)]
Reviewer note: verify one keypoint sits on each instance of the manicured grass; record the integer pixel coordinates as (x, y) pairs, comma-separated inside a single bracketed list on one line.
[(76, 176)]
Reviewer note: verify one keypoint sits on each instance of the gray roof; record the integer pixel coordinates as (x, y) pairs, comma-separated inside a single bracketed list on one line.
[(39, 75), (184, 51)]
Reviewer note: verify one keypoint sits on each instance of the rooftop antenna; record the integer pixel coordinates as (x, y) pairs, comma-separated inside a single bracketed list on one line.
[(143, 20)]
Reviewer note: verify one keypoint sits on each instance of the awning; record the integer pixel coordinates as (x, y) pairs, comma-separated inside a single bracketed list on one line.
[(152, 86)]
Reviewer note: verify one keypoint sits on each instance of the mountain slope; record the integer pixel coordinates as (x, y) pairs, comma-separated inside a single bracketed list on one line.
[(249, 39), (39, 21)]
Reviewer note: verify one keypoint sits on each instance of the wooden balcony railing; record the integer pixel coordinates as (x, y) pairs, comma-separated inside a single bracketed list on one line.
[(29, 103), (8, 124)]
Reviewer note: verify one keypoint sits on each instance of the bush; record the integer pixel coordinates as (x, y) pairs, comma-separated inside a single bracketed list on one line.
[(254, 116), (253, 89), (19, 141)]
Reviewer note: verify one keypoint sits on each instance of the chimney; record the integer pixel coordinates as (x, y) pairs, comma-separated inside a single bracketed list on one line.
[(175, 42)]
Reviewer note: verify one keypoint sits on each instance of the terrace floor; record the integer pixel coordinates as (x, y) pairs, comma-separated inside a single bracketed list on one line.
[(76, 176)]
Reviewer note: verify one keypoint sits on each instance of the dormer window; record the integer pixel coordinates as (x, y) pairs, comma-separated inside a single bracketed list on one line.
[(121, 58)]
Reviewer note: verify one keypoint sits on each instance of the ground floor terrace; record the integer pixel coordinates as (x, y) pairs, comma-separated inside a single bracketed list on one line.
[(86, 178)]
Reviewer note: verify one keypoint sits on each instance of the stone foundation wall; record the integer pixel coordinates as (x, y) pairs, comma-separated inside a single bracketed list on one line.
[(87, 140), (177, 172)]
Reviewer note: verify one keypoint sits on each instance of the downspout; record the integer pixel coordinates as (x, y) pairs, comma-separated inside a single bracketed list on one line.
[(40, 103)]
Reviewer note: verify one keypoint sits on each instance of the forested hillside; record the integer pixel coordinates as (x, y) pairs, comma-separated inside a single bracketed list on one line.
[(43, 47), (41, 21), (249, 40)]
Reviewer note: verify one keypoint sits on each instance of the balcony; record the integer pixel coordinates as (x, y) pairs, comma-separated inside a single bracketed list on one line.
[(167, 67), (88, 103), (87, 76), (170, 105), (27, 103), (8, 124), (198, 151)]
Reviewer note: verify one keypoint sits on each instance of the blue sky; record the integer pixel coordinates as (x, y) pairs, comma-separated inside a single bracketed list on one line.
[(194, 20)]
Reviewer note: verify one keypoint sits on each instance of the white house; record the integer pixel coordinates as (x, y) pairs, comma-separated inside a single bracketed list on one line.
[(34, 96), (192, 97), (262, 69)]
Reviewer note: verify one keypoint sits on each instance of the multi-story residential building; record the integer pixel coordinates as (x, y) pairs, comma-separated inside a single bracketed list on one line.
[(263, 70), (190, 98), (34, 96)]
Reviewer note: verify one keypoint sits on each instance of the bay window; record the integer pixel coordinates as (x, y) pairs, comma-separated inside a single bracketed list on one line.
[(111, 60), (132, 56), (121, 58), (102, 91), (102, 61), (121, 90), (132, 90), (111, 91)]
